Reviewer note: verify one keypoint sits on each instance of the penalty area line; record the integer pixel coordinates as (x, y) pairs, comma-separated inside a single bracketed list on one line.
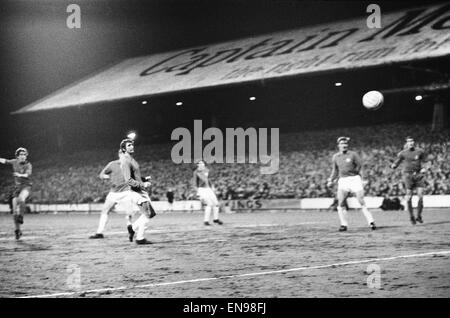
[(382, 259)]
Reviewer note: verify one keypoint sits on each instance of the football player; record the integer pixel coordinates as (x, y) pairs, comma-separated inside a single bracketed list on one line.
[(412, 158), (118, 193), (138, 191), (205, 192), (22, 186), (347, 169)]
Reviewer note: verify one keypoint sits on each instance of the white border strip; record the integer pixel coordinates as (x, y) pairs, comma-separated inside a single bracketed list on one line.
[(241, 275), (430, 201)]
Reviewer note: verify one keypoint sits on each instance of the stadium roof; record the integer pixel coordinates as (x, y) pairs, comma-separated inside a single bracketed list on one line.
[(409, 35)]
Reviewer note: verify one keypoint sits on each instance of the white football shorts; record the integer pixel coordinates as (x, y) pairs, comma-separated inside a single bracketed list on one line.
[(350, 184), (207, 196), (126, 201)]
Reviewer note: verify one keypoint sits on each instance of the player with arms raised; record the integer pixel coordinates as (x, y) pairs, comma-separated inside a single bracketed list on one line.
[(204, 190), (347, 168), (22, 186), (413, 176)]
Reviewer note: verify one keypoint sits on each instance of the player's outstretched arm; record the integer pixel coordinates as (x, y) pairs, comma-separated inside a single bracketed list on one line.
[(398, 161), (334, 173), (360, 170), (427, 163), (394, 165), (146, 181), (7, 161), (358, 163), (194, 182), (29, 170), (104, 174)]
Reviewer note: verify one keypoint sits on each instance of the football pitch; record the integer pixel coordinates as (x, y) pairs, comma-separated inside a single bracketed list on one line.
[(259, 254)]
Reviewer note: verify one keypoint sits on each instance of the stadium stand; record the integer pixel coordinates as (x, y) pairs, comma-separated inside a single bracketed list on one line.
[(305, 159)]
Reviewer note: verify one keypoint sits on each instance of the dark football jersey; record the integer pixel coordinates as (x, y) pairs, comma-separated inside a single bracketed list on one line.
[(411, 159), (201, 178), (345, 165), (22, 168)]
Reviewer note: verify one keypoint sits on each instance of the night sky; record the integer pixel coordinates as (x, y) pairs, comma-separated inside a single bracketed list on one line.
[(39, 54)]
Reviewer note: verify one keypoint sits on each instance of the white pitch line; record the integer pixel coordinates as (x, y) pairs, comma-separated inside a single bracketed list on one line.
[(242, 275)]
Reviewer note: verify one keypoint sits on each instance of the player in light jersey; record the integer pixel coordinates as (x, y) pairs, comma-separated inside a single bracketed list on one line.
[(347, 168), (138, 194), (204, 190), (413, 176), (117, 194), (22, 186)]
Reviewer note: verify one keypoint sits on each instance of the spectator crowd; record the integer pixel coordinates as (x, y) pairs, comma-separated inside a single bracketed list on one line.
[(305, 165)]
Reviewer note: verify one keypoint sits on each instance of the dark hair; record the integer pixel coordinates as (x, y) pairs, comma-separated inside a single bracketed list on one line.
[(344, 139), (20, 150), (123, 144)]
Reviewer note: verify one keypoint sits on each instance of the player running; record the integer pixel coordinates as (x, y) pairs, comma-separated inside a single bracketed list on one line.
[(204, 190), (347, 168), (118, 193), (138, 194), (413, 176), (22, 186)]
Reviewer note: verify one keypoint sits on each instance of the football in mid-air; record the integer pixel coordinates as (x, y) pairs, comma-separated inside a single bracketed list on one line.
[(373, 100)]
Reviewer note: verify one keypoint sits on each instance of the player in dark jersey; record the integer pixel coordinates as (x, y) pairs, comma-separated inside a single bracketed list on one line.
[(117, 194), (138, 191), (205, 191), (413, 176), (22, 186), (347, 169)]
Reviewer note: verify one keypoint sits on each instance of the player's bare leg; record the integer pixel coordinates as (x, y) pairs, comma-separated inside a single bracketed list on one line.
[(408, 199), (215, 204), (151, 210), (140, 225), (130, 229), (419, 205), (17, 230), (107, 207), (342, 212), (19, 207), (207, 214), (216, 215), (129, 218), (365, 211), (14, 205)]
